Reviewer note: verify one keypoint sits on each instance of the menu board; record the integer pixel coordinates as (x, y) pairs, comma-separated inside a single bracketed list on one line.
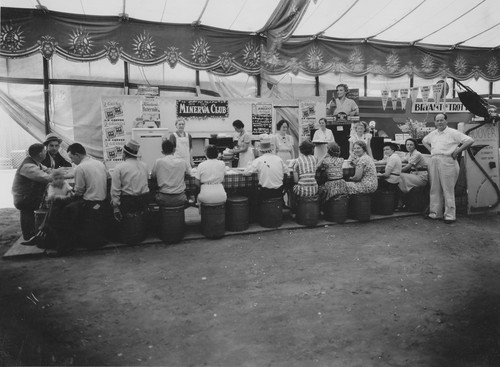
[(262, 118)]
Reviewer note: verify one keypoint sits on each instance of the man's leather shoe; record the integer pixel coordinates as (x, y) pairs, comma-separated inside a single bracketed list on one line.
[(449, 221), (33, 241)]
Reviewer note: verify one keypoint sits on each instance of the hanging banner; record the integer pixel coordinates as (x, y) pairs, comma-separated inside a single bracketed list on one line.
[(437, 89), (425, 90), (414, 94), (404, 97), (448, 107), (394, 98), (113, 130), (385, 98), (262, 118)]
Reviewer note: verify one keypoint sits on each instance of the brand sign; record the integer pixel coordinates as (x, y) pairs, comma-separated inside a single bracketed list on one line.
[(426, 107), (202, 109)]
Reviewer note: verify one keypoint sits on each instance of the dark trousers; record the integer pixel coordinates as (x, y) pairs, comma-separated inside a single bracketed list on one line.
[(28, 223), (134, 204)]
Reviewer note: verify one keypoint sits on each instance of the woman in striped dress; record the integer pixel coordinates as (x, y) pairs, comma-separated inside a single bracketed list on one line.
[(304, 173)]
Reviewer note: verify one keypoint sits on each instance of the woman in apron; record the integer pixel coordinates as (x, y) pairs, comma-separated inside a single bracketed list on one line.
[(182, 142), (244, 147), (283, 142), (321, 138)]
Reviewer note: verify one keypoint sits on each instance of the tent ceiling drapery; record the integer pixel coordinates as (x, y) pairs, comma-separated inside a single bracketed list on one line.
[(426, 38)]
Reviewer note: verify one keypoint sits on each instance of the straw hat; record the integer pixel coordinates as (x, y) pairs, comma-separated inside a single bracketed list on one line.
[(132, 148), (52, 137), (265, 144)]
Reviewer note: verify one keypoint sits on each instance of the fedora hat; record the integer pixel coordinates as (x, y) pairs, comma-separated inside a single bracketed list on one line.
[(52, 137), (132, 148), (265, 144)]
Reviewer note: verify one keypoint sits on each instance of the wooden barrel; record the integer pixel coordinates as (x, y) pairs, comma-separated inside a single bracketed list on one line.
[(172, 224), (336, 209), (213, 220), (133, 228), (308, 211), (237, 213), (271, 213), (359, 207), (92, 229), (153, 219), (383, 202), (417, 199)]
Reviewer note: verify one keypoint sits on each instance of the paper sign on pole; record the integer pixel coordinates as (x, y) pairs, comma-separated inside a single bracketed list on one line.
[(425, 90), (394, 98), (385, 98), (404, 97), (436, 92), (414, 94)]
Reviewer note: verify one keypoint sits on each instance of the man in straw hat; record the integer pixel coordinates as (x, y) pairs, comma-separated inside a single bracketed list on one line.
[(54, 158), (129, 183), (270, 168)]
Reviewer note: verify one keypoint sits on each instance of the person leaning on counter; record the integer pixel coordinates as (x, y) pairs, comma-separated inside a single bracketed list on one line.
[(244, 144)]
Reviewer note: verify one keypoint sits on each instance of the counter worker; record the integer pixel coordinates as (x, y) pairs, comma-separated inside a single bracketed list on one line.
[(129, 183), (389, 180), (271, 170), (54, 158), (321, 138), (342, 104), (445, 144), (244, 144), (28, 187), (183, 142), (169, 173), (283, 141)]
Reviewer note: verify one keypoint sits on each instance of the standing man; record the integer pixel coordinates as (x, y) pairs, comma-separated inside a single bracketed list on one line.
[(129, 183), (28, 187), (90, 194), (168, 173), (445, 144), (54, 158)]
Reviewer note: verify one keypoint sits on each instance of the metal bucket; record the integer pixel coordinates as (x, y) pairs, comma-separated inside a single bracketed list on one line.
[(271, 213), (308, 211), (237, 213), (213, 220), (360, 207), (383, 202), (336, 209), (172, 224)]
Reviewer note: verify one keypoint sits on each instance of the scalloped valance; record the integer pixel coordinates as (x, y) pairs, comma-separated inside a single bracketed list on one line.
[(25, 32)]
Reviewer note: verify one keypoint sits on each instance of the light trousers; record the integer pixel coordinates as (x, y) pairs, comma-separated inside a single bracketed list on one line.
[(443, 175)]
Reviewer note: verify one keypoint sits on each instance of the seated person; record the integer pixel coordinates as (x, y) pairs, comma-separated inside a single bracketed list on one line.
[(304, 173), (389, 180), (55, 159), (361, 131), (168, 173), (129, 183), (364, 180), (271, 170), (209, 177), (414, 173), (335, 184)]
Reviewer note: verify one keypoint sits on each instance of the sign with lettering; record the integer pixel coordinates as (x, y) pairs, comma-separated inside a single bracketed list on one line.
[(426, 107), (262, 118), (202, 109)]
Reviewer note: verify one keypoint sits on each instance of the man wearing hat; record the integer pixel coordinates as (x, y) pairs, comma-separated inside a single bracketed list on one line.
[(129, 183), (271, 170), (54, 159)]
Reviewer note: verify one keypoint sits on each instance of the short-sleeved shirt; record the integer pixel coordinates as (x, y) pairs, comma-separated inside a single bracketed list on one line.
[(270, 169), (416, 160), (169, 172), (347, 106), (91, 179), (211, 171), (305, 166), (393, 166), (129, 178), (445, 142)]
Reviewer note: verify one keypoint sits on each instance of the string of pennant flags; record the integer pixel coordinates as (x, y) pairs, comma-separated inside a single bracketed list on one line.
[(412, 93)]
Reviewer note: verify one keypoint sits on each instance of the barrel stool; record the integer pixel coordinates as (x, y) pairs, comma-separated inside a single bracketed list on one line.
[(213, 220), (237, 213), (383, 202), (92, 229), (271, 213), (172, 223), (417, 199), (336, 209), (132, 228), (359, 207), (308, 210), (153, 219)]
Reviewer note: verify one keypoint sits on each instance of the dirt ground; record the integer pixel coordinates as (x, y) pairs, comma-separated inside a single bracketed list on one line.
[(396, 292)]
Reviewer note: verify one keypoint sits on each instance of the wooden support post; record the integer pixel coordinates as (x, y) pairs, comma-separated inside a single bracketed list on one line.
[(316, 79), (46, 94)]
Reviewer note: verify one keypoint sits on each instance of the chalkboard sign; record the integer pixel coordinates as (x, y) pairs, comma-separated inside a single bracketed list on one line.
[(262, 119)]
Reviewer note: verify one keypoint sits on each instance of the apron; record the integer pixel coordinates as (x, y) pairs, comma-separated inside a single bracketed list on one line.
[(182, 147), (284, 147)]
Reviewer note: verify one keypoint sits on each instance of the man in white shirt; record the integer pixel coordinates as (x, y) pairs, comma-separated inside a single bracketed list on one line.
[(445, 144)]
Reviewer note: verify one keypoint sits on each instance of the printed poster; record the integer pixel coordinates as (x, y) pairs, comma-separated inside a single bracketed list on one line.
[(113, 130), (307, 119), (262, 118)]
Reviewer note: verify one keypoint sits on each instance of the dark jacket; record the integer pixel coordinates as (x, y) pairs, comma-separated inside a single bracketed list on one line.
[(59, 161)]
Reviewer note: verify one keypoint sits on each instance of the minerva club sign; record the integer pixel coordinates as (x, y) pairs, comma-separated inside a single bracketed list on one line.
[(202, 109)]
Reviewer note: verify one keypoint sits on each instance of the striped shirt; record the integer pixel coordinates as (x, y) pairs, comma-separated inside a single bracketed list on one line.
[(306, 169)]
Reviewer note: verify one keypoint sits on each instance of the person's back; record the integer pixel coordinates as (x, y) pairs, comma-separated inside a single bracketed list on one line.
[(270, 170), (90, 180)]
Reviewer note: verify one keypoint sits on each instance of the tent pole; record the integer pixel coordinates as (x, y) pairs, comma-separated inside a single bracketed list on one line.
[(316, 80), (258, 81), (46, 94), (126, 83)]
